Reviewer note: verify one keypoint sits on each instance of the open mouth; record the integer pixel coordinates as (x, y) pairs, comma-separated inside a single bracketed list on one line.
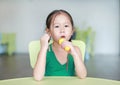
[(62, 36)]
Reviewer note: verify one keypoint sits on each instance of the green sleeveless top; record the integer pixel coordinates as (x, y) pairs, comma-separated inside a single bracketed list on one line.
[(54, 68)]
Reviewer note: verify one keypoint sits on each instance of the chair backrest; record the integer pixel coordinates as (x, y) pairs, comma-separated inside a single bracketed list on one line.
[(34, 48)]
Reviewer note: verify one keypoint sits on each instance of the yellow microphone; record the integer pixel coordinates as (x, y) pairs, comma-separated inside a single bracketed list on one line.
[(61, 40)]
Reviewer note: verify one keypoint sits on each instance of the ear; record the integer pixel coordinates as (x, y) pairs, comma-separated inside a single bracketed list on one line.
[(48, 31), (73, 31)]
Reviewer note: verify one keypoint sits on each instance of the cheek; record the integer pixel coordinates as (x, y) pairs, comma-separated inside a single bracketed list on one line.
[(69, 32), (55, 33)]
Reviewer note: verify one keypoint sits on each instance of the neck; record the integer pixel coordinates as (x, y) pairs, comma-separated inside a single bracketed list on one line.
[(57, 47)]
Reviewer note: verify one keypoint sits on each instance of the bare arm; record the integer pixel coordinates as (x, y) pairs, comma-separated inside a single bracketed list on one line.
[(39, 69), (77, 56), (79, 64)]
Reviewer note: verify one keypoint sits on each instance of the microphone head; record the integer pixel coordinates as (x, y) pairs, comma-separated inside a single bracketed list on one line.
[(61, 40)]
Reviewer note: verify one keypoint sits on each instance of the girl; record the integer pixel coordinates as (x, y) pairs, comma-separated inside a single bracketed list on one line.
[(53, 60)]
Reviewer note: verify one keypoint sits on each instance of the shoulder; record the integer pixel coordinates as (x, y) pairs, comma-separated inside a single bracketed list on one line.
[(49, 53)]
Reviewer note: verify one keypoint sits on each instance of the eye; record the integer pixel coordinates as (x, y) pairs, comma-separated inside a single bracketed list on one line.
[(56, 26), (66, 25)]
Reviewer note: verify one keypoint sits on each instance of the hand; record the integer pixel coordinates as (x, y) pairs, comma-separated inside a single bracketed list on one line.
[(70, 45), (44, 40)]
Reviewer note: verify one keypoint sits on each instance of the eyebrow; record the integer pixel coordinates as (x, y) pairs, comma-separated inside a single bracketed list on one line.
[(55, 23), (64, 23)]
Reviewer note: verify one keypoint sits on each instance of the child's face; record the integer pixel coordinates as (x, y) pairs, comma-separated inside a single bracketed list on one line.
[(61, 27)]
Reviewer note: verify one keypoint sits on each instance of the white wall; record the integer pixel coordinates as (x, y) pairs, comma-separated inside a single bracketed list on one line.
[(27, 19)]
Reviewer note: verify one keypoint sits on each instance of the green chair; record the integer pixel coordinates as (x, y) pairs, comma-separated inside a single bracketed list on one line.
[(34, 48)]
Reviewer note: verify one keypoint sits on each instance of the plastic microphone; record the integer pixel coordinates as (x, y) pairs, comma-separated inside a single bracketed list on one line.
[(61, 40)]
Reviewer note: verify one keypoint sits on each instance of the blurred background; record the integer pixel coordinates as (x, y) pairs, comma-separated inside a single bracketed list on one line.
[(97, 21), (26, 18)]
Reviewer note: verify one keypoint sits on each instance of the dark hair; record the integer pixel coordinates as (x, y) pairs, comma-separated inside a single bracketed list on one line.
[(52, 16)]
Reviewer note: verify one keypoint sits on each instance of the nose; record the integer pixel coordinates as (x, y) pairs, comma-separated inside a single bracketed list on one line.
[(62, 30)]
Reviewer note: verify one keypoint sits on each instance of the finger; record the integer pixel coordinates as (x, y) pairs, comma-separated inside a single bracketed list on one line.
[(48, 37)]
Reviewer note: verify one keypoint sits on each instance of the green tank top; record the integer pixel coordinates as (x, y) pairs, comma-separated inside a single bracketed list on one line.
[(54, 68)]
